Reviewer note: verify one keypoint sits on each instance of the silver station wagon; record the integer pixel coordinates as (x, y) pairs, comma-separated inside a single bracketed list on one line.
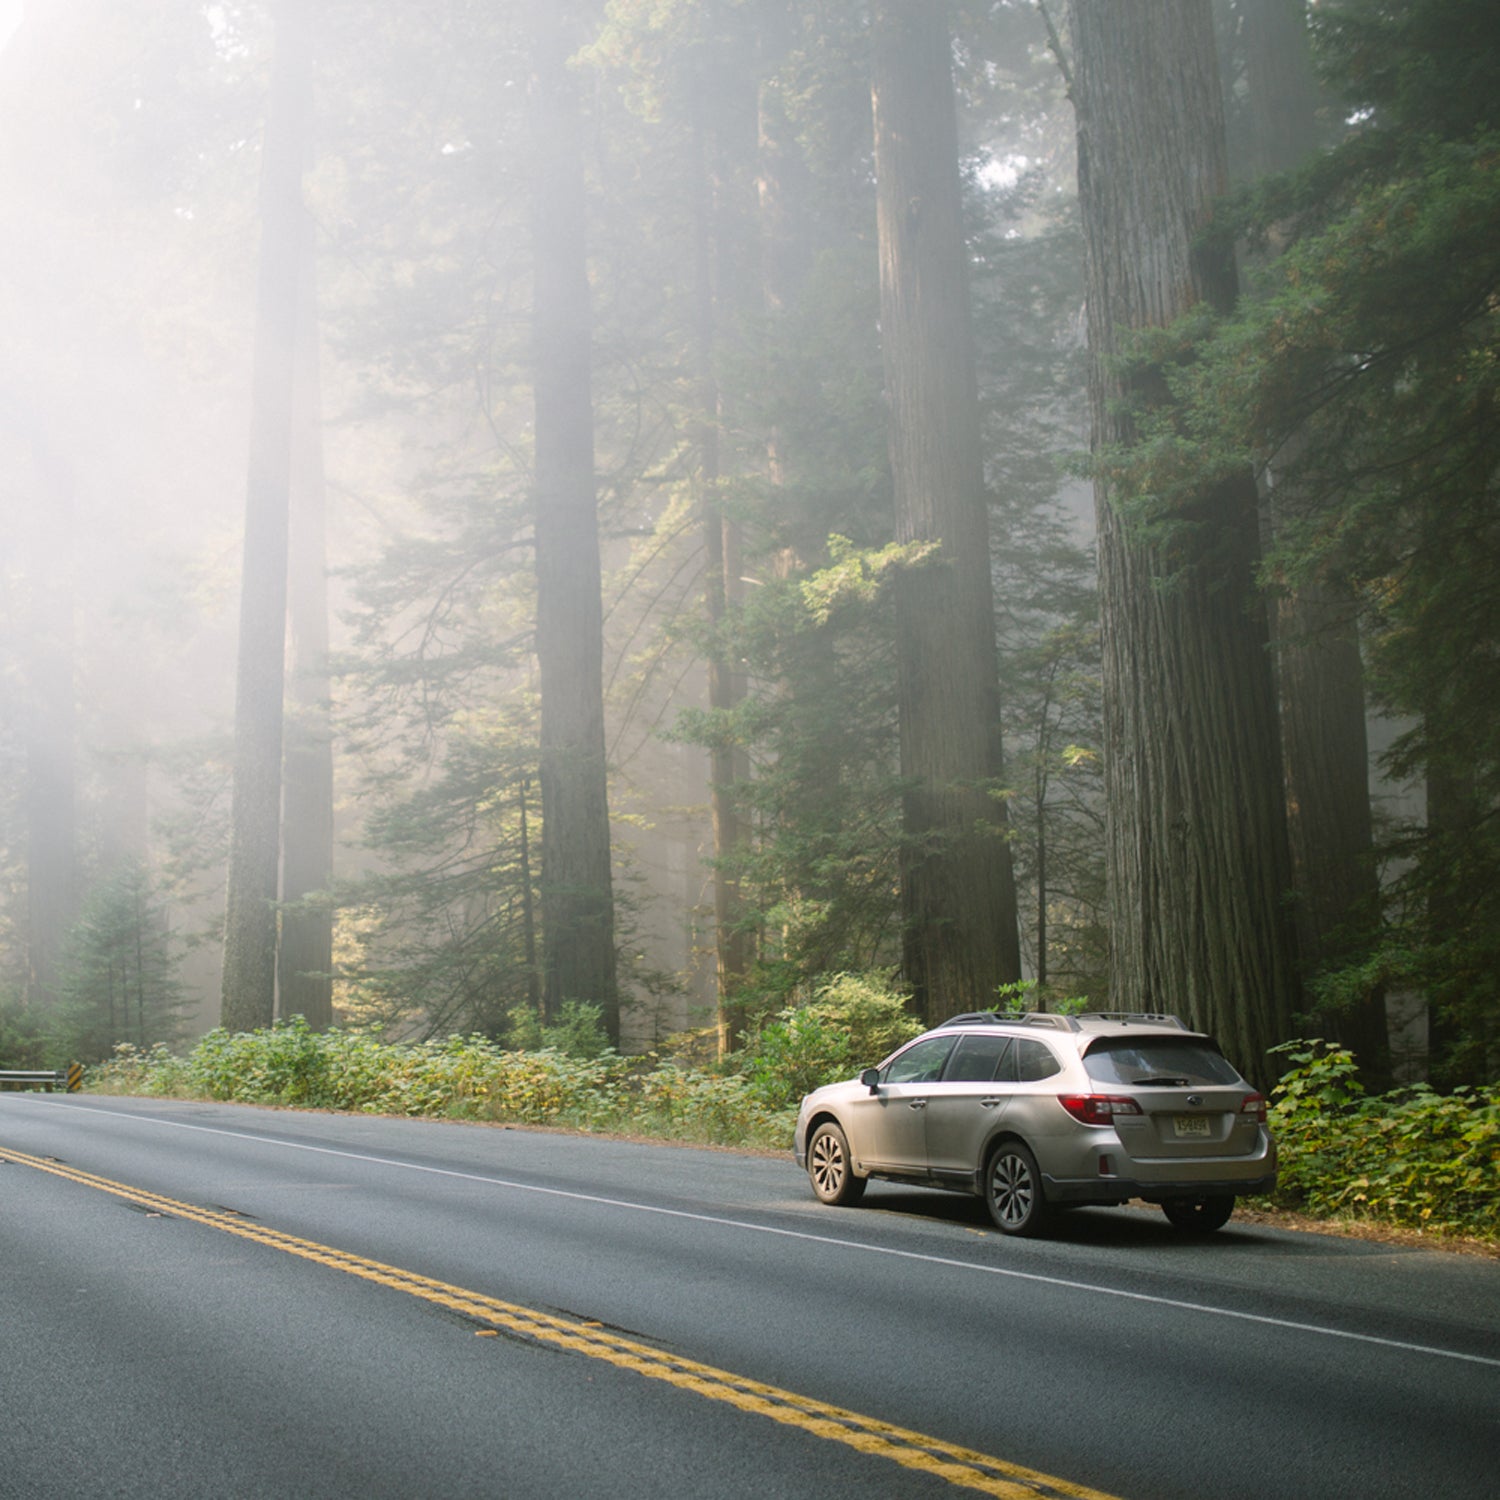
[(1041, 1112)]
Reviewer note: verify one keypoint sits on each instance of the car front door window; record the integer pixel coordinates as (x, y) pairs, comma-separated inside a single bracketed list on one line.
[(920, 1063)]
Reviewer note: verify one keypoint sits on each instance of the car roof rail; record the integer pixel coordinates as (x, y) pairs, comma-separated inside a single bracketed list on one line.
[(995, 1018), (1141, 1017)]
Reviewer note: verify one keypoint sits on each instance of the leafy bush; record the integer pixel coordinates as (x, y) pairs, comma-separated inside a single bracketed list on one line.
[(852, 1022), (685, 1104), (456, 1078), (152, 1071), (579, 1031), (1413, 1157)]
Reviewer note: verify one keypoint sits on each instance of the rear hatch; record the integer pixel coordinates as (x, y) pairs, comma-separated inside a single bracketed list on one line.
[(1192, 1101)]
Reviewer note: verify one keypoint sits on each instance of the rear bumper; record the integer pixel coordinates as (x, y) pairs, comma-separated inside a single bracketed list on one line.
[(1121, 1189)]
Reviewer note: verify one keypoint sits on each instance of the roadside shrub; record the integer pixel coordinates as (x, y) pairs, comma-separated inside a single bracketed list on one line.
[(1413, 1157), (852, 1022), (579, 1032), (548, 1088), (687, 1105)]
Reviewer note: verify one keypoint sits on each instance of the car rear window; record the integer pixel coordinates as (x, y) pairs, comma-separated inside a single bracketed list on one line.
[(1158, 1059), (1028, 1061)]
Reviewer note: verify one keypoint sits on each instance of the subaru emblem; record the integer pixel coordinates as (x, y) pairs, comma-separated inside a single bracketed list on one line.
[(1195, 1099)]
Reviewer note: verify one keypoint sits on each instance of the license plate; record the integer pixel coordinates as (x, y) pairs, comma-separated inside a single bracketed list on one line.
[(1192, 1125)]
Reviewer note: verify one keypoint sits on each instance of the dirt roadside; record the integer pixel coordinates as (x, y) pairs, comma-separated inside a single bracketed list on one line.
[(1365, 1229)]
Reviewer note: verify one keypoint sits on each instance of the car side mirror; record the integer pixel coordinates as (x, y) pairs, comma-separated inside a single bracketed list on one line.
[(871, 1079)]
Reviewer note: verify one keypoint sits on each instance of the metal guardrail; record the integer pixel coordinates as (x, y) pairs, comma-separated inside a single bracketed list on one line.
[(69, 1078)]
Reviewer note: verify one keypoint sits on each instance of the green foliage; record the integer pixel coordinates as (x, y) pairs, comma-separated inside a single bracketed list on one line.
[(1028, 995), (819, 881), (118, 977), (444, 932), (851, 1022), (24, 1042), (1432, 66), (1414, 1158), (579, 1032), (457, 1077), (686, 1104)]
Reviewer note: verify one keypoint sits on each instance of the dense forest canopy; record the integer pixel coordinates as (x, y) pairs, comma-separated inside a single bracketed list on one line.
[(626, 509)]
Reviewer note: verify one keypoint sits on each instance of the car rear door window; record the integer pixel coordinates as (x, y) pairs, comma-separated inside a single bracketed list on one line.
[(976, 1059)]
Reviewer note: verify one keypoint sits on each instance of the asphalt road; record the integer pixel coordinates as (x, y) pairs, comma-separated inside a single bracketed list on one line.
[(210, 1300)]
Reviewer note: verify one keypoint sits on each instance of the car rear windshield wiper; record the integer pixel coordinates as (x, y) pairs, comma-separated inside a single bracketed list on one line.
[(1176, 1083)]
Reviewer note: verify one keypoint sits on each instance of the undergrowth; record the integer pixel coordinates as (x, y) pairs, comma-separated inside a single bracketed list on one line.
[(1413, 1157), (458, 1078)]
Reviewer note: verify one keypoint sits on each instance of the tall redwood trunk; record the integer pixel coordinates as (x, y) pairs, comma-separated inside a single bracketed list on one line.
[(49, 733), (1198, 866), (723, 155), (577, 893), (306, 957), (249, 984), (958, 889)]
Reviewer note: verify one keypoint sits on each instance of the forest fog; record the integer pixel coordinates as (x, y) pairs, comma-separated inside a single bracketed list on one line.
[(564, 514)]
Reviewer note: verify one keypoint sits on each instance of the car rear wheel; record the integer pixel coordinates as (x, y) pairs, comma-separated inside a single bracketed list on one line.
[(1199, 1215), (829, 1168), (1013, 1191)]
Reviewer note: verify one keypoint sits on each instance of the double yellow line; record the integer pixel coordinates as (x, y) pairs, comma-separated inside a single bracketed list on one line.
[(961, 1467)]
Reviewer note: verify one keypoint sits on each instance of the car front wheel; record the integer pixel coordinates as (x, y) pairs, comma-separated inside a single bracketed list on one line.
[(1013, 1191), (1199, 1215), (829, 1167)]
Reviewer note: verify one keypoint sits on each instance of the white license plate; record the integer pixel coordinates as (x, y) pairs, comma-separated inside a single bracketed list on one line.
[(1192, 1125)]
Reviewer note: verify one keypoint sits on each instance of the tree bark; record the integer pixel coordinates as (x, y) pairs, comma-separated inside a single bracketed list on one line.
[(722, 110), (577, 898), (1197, 858), (249, 980), (1283, 87), (306, 955), (958, 888), (52, 892)]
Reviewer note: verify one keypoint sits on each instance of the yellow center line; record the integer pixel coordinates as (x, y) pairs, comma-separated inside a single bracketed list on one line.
[(962, 1467)]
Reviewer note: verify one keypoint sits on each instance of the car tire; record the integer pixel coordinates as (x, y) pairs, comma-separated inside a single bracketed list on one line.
[(830, 1168), (1199, 1215), (1013, 1191)]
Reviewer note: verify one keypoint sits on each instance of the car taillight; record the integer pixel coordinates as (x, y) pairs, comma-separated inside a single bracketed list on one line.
[(1097, 1109), (1255, 1107)]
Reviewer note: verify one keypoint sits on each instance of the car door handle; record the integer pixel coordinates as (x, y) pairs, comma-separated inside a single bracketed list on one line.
[(916, 1104), (991, 1103)]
